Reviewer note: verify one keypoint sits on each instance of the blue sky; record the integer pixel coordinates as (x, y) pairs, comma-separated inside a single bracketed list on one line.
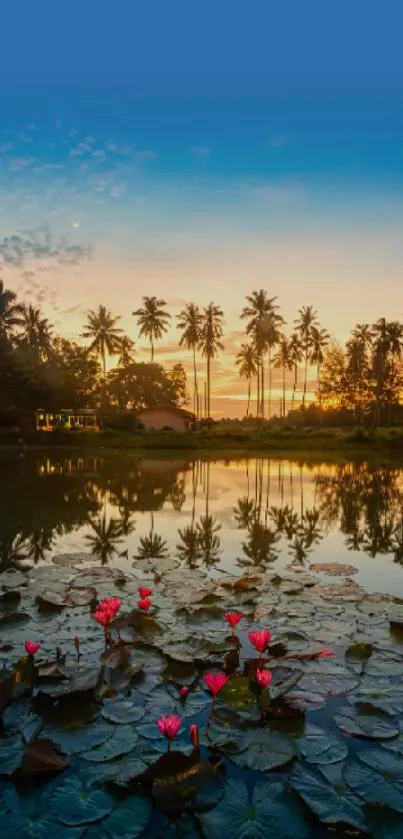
[(202, 151)]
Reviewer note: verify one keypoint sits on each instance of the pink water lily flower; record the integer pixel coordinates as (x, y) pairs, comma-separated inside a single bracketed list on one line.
[(233, 618), (32, 647), (260, 640), (183, 691), (144, 604), (216, 682), (169, 726), (103, 617), (110, 605), (263, 678), (327, 652), (144, 592)]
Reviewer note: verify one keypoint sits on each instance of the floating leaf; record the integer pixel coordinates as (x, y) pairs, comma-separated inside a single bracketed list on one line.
[(41, 758), (268, 750), (74, 804), (230, 741), (123, 740), (377, 777), (185, 784), (319, 746), (331, 803), (129, 819), (269, 813), (115, 656), (11, 754), (365, 720), (76, 738), (122, 711)]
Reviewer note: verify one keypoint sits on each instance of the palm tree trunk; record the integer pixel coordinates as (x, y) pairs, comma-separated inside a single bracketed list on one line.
[(283, 392), (257, 394), (305, 378), (319, 391), (152, 350), (294, 386), (270, 382), (262, 383), (208, 384), (247, 407), (195, 391)]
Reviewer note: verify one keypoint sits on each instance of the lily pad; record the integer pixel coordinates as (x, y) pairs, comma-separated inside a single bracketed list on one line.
[(331, 803), (184, 784), (74, 804), (230, 741), (124, 739), (377, 777), (129, 819), (268, 750), (122, 711), (368, 721), (11, 754), (319, 746), (266, 813), (77, 738)]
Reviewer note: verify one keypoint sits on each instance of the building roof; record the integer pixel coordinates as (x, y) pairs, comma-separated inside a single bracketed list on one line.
[(179, 411), (69, 411)]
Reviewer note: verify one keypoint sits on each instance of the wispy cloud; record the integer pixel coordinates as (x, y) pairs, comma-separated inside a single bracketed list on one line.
[(278, 142), (201, 153), (39, 244), (144, 156)]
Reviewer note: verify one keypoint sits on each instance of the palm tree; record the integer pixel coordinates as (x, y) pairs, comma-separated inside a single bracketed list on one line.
[(189, 549), (304, 326), (105, 538), (35, 330), (210, 341), (296, 356), (153, 320), (105, 335), (126, 351), (273, 336), (256, 312), (247, 360), (209, 542), (190, 322), (320, 340), (152, 546), (11, 313), (284, 360)]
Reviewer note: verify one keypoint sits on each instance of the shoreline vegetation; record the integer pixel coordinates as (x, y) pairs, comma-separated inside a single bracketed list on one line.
[(217, 441)]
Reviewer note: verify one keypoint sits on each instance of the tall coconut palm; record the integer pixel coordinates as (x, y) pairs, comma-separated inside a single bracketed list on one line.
[(320, 340), (210, 342), (126, 351), (247, 360), (256, 313), (153, 320), (11, 313), (104, 334), (190, 322), (273, 337), (284, 360), (296, 356), (35, 330), (303, 326)]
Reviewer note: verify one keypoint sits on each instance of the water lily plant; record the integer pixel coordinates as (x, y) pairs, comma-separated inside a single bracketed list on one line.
[(233, 619), (32, 647), (169, 727), (260, 640)]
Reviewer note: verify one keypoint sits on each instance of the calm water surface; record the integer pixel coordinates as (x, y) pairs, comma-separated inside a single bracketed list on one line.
[(227, 516)]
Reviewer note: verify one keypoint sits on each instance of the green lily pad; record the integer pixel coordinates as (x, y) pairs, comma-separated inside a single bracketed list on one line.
[(230, 741), (74, 804), (11, 754), (365, 720), (377, 777), (319, 746), (129, 819), (184, 784), (268, 750), (75, 739), (267, 813), (332, 803), (124, 738), (122, 711)]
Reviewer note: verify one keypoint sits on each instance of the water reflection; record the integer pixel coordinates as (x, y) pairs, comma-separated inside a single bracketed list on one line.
[(245, 513)]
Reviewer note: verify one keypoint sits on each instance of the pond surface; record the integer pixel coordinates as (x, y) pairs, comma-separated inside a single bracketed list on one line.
[(293, 548), (218, 515)]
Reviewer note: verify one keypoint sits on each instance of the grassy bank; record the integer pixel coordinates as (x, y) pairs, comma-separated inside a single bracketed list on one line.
[(219, 441)]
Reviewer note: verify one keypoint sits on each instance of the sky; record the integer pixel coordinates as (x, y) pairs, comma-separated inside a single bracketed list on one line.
[(198, 153)]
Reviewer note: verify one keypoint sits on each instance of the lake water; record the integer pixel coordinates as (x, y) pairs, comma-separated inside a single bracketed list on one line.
[(224, 515)]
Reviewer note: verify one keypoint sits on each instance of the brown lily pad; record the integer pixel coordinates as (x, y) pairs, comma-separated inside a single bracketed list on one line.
[(340, 592), (40, 758), (334, 569), (115, 656)]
